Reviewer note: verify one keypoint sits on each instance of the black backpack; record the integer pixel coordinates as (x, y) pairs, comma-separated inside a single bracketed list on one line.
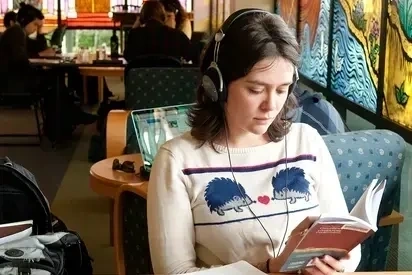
[(21, 199)]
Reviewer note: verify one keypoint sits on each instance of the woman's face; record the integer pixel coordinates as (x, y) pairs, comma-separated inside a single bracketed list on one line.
[(32, 26), (254, 101), (170, 19)]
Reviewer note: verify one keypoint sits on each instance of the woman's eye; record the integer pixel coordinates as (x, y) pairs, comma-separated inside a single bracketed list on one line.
[(253, 91)]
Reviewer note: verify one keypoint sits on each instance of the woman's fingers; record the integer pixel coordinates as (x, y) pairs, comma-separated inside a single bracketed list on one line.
[(333, 263), (325, 266)]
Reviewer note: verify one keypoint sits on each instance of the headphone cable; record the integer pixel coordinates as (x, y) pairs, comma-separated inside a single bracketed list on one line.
[(286, 187), (240, 191)]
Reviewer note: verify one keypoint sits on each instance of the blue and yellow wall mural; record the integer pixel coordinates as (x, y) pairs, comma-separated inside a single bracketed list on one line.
[(314, 39), (288, 9), (355, 51), (397, 105)]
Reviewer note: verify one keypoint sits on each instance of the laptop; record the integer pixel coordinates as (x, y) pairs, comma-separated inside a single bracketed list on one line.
[(57, 36), (154, 126)]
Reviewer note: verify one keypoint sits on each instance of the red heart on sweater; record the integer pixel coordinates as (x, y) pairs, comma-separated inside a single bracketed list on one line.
[(264, 199)]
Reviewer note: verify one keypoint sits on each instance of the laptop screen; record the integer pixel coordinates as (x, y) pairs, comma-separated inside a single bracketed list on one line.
[(155, 126)]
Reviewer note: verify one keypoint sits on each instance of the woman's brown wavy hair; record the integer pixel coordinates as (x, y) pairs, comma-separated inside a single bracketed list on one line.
[(176, 7), (250, 39)]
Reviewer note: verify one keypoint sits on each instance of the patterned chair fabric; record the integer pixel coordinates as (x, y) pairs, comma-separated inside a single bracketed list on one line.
[(157, 87), (135, 243), (359, 158)]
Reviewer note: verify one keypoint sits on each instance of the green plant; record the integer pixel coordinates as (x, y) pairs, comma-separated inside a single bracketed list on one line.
[(92, 38), (374, 41), (401, 96)]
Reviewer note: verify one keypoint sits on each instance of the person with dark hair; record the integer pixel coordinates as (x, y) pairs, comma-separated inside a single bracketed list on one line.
[(13, 54), (9, 19), (31, 20), (244, 178), (153, 37), (176, 16)]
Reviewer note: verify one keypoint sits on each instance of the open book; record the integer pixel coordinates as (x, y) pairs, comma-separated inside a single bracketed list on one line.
[(337, 235), (15, 231), (238, 268)]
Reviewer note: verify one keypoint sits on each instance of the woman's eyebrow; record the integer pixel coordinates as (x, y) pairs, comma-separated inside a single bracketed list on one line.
[(262, 83)]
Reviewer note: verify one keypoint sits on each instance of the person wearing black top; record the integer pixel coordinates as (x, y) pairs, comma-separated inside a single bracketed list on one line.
[(30, 19), (9, 19), (16, 74), (153, 37)]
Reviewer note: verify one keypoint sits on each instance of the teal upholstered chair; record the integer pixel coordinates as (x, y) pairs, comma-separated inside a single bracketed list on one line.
[(157, 86), (358, 156)]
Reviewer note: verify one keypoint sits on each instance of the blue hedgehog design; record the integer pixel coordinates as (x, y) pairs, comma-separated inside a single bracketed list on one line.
[(222, 194), (297, 186)]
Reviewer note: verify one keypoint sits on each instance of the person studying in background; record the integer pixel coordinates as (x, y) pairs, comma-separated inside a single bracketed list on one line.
[(244, 178), (31, 19), (153, 37), (14, 59), (176, 17), (9, 19)]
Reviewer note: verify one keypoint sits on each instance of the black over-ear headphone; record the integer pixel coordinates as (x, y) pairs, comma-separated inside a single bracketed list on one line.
[(212, 80)]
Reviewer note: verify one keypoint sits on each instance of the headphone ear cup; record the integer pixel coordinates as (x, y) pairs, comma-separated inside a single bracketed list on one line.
[(209, 87), (211, 84)]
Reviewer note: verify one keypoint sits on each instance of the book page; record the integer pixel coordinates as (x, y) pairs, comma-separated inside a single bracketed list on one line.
[(376, 203), (238, 268), (367, 207)]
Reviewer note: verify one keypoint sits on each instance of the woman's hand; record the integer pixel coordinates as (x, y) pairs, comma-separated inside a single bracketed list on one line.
[(324, 266), (47, 52), (275, 264), (136, 23)]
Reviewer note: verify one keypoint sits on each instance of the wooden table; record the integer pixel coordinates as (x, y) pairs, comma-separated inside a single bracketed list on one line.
[(86, 69), (105, 181), (100, 73), (367, 273)]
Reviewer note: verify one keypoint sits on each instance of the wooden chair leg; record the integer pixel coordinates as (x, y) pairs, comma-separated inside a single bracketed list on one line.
[(100, 88), (111, 221), (85, 94)]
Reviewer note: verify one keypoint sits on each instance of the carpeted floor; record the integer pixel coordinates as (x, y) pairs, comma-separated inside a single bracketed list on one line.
[(83, 211), (48, 166)]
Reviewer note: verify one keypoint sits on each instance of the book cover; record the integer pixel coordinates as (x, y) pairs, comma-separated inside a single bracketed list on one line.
[(335, 236), (334, 239)]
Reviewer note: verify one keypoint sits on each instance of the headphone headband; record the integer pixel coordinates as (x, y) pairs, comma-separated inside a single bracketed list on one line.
[(220, 34), (212, 80)]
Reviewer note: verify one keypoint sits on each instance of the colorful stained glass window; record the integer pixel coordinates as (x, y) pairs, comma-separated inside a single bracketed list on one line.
[(288, 10), (314, 39), (355, 52), (397, 104)]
